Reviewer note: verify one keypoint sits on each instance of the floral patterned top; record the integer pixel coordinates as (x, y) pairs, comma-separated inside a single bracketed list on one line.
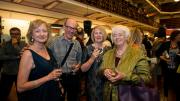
[(94, 81)]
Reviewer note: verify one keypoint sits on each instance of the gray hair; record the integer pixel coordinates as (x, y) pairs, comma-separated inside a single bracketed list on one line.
[(121, 29)]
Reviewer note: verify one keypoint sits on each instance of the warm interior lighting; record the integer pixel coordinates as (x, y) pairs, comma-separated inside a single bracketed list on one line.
[(17, 1), (151, 14), (146, 33), (23, 25), (161, 12), (53, 34), (176, 0), (51, 5)]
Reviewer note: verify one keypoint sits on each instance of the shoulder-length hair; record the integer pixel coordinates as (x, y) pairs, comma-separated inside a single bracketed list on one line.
[(33, 25), (102, 29), (136, 36)]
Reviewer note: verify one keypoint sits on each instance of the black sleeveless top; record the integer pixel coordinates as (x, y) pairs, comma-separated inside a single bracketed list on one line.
[(48, 91)]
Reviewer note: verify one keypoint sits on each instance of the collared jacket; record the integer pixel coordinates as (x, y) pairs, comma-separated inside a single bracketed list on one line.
[(133, 64)]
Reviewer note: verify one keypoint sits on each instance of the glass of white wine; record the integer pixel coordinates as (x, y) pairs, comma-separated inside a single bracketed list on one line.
[(58, 67), (101, 50)]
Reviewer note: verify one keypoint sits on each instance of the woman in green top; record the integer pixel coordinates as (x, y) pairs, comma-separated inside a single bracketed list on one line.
[(119, 64)]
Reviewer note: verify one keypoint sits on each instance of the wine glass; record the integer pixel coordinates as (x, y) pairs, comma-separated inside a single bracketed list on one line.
[(58, 67), (74, 67), (57, 79), (101, 50)]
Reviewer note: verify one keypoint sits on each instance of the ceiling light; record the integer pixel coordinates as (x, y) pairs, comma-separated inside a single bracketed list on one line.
[(176, 0)]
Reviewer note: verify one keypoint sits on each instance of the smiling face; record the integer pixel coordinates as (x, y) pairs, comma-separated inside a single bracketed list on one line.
[(120, 35), (15, 34), (119, 38), (98, 36), (40, 34), (38, 31), (70, 28)]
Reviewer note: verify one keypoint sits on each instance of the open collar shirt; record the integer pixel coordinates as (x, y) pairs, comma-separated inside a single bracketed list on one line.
[(59, 48)]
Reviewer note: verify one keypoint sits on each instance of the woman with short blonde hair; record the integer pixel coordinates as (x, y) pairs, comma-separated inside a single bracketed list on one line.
[(95, 52)]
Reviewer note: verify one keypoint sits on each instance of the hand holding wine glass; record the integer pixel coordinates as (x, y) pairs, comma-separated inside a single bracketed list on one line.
[(95, 53), (113, 75), (75, 67), (55, 74), (100, 54)]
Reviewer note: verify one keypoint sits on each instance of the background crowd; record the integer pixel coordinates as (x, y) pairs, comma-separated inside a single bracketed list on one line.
[(68, 69)]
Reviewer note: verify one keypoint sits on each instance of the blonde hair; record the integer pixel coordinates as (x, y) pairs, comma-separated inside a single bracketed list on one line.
[(136, 36), (33, 25), (102, 29)]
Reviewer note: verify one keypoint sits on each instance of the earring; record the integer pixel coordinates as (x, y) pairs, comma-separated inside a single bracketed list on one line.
[(32, 39)]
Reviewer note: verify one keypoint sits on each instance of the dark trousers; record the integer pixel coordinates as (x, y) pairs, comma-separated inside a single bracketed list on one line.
[(169, 80), (71, 84), (6, 83), (178, 87)]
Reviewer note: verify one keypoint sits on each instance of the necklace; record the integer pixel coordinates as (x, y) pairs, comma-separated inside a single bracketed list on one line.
[(42, 48)]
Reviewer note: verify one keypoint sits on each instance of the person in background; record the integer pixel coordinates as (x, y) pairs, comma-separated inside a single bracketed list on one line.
[(123, 64), (107, 43), (10, 55), (1, 33), (147, 45), (3, 37), (157, 70), (109, 39), (168, 54), (80, 38), (38, 73), (95, 52), (178, 73), (136, 38), (1, 42), (136, 41), (59, 47)]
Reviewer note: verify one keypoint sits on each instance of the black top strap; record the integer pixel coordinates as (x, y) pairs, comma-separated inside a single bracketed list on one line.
[(67, 54)]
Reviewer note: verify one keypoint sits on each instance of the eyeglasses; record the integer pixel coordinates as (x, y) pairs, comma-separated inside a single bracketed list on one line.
[(14, 33), (71, 28)]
